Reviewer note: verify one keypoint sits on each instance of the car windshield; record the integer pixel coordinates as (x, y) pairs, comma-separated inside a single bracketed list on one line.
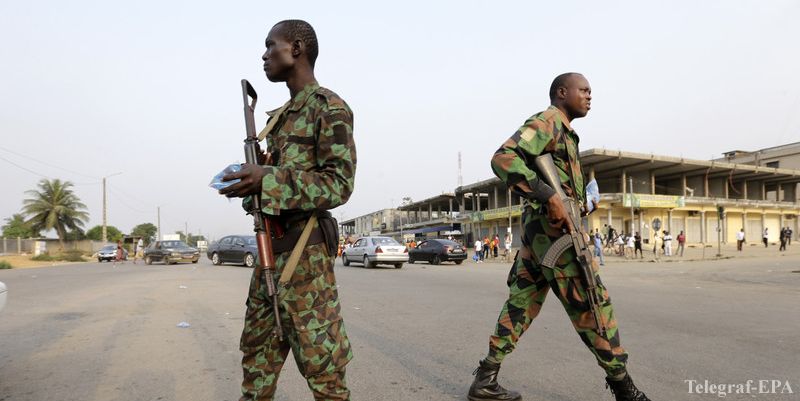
[(250, 240), (109, 248), (174, 244), (385, 241)]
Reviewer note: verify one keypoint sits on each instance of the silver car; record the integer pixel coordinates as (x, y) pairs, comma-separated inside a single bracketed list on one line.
[(3, 294), (372, 251)]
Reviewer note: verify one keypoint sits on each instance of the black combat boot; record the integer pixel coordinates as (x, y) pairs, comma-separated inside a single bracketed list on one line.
[(485, 387), (625, 390)]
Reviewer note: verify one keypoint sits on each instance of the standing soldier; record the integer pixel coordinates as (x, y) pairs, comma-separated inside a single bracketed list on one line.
[(543, 219), (309, 168)]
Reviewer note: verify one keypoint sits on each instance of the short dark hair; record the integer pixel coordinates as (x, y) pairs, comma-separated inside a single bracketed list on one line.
[(295, 29), (560, 81)]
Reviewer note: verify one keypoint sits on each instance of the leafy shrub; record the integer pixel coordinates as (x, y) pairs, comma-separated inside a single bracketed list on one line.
[(72, 256), (5, 265), (43, 257)]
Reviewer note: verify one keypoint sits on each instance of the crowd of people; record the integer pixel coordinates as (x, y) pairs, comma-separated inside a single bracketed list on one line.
[(610, 241), (490, 248)]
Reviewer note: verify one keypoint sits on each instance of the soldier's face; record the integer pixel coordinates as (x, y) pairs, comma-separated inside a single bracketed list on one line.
[(578, 99), (278, 58)]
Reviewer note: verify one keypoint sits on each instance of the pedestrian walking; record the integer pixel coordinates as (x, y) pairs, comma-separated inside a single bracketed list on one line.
[(496, 245), (479, 250), (543, 216), (681, 243), (598, 247), (630, 244), (657, 245), (507, 244), (310, 169), (765, 237), (782, 238), (637, 245), (740, 240), (667, 244), (789, 233), (119, 255)]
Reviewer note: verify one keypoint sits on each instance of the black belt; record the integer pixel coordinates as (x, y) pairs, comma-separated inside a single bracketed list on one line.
[(287, 242)]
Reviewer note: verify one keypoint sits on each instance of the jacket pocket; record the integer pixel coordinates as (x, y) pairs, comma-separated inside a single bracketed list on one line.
[(322, 346)]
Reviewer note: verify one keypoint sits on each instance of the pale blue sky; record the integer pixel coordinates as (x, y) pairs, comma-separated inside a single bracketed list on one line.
[(151, 89)]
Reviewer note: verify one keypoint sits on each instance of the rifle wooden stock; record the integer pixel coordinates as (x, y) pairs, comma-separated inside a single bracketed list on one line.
[(574, 240), (265, 270)]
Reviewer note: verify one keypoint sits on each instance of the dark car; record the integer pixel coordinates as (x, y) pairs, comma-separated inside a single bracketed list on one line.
[(170, 252), (436, 251), (239, 249)]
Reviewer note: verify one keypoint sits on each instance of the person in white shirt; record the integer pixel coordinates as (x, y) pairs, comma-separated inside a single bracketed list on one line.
[(766, 237), (479, 250), (629, 247), (739, 240), (667, 244), (507, 253)]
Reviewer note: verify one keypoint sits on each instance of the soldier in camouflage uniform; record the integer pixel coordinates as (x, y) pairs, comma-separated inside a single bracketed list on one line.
[(544, 220), (310, 168)]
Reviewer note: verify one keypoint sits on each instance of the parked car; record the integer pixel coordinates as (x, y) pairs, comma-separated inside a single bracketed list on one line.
[(240, 249), (436, 251), (3, 294), (109, 253), (170, 252), (372, 251)]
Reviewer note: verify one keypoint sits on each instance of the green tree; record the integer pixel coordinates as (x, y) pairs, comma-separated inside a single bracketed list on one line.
[(145, 230), (96, 233), (16, 226), (54, 207), (76, 235)]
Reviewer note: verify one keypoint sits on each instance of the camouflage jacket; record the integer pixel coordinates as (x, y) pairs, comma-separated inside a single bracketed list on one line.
[(313, 162), (545, 132)]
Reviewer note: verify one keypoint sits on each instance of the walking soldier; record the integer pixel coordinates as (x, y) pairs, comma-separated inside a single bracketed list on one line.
[(544, 221)]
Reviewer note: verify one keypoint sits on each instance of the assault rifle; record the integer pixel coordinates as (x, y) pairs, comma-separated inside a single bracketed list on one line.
[(574, 240), (265, 269)]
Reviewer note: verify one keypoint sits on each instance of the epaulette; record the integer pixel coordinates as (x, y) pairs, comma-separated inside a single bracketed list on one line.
[(331, 98)]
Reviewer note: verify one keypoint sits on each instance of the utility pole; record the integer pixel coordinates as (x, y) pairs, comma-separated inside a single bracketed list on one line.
[(105, 207), (186, 231), (630, 184), (158, 236)]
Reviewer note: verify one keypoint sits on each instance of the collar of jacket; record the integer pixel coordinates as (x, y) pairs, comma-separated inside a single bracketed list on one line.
[(299, 100), (562, 117)]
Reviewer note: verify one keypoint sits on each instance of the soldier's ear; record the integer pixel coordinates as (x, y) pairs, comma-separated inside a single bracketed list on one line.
[(562, 92), (298, 48)]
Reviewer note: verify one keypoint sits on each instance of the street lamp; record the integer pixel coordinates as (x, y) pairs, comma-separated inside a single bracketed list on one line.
[(105, 232)]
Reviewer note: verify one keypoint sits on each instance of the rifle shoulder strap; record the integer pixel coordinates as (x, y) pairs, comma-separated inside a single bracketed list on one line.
[(294, 257), (272, 122)]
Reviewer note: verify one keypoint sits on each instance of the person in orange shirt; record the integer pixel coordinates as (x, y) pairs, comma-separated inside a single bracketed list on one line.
[(487, 248)]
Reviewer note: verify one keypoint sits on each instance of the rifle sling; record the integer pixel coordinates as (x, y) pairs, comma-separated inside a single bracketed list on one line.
[(294, 257)]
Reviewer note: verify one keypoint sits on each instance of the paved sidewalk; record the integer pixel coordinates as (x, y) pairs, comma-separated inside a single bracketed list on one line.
[(691, 253)]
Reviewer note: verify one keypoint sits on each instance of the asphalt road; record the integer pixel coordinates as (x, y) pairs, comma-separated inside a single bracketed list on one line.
[(92, 332)]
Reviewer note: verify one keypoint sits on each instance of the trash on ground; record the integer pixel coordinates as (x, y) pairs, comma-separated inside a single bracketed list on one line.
[(184, 325)]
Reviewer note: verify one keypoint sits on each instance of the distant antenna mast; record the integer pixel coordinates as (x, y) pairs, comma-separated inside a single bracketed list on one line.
[(460, 178)]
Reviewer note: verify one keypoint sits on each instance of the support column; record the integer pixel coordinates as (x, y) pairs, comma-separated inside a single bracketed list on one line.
[(763, 190), (624, 179), (727, 184), (450, 209), (725, 228), (591, 173), (669, 221), (478, 200), (683, 184), (763, 224), (430, 211), (703, 226), (744, 185), (744, 224), (496, 201), (609, 216), (652, 182), (705, 186)]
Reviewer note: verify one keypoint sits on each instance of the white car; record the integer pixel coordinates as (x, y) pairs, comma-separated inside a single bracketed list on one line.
[(372, 251), (3, 292)]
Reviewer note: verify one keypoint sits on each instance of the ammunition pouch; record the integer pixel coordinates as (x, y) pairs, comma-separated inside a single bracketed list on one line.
[(327, 232), (330, 231)]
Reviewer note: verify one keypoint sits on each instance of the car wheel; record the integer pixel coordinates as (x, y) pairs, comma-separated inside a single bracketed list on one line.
[(366, 262), (398, 265), (195, 261), (148, 260), (345, 261), (215, 259), (458, 262), (249, 260), (435, 260), (410, 261), (99, 260), (166, 261)]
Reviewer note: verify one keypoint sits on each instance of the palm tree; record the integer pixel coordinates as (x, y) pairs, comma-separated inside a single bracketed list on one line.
[(54, 206)]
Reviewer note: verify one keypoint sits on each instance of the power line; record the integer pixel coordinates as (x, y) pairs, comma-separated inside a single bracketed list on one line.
[(118, 198), (23, 168), (45, 163)]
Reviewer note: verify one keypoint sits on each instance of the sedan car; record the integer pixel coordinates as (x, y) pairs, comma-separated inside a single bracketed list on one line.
[(372, 251), (240, 249), (436, 251), (3, 294), (109, 253), (170, 252)]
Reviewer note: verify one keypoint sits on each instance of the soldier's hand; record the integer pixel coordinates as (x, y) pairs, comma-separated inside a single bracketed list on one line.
[(585, 212), (557, 214), (263, 158), (250, 184)]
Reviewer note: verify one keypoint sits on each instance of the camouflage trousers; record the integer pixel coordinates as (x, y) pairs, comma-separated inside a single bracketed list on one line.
[(313, 331), (529, 284)]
